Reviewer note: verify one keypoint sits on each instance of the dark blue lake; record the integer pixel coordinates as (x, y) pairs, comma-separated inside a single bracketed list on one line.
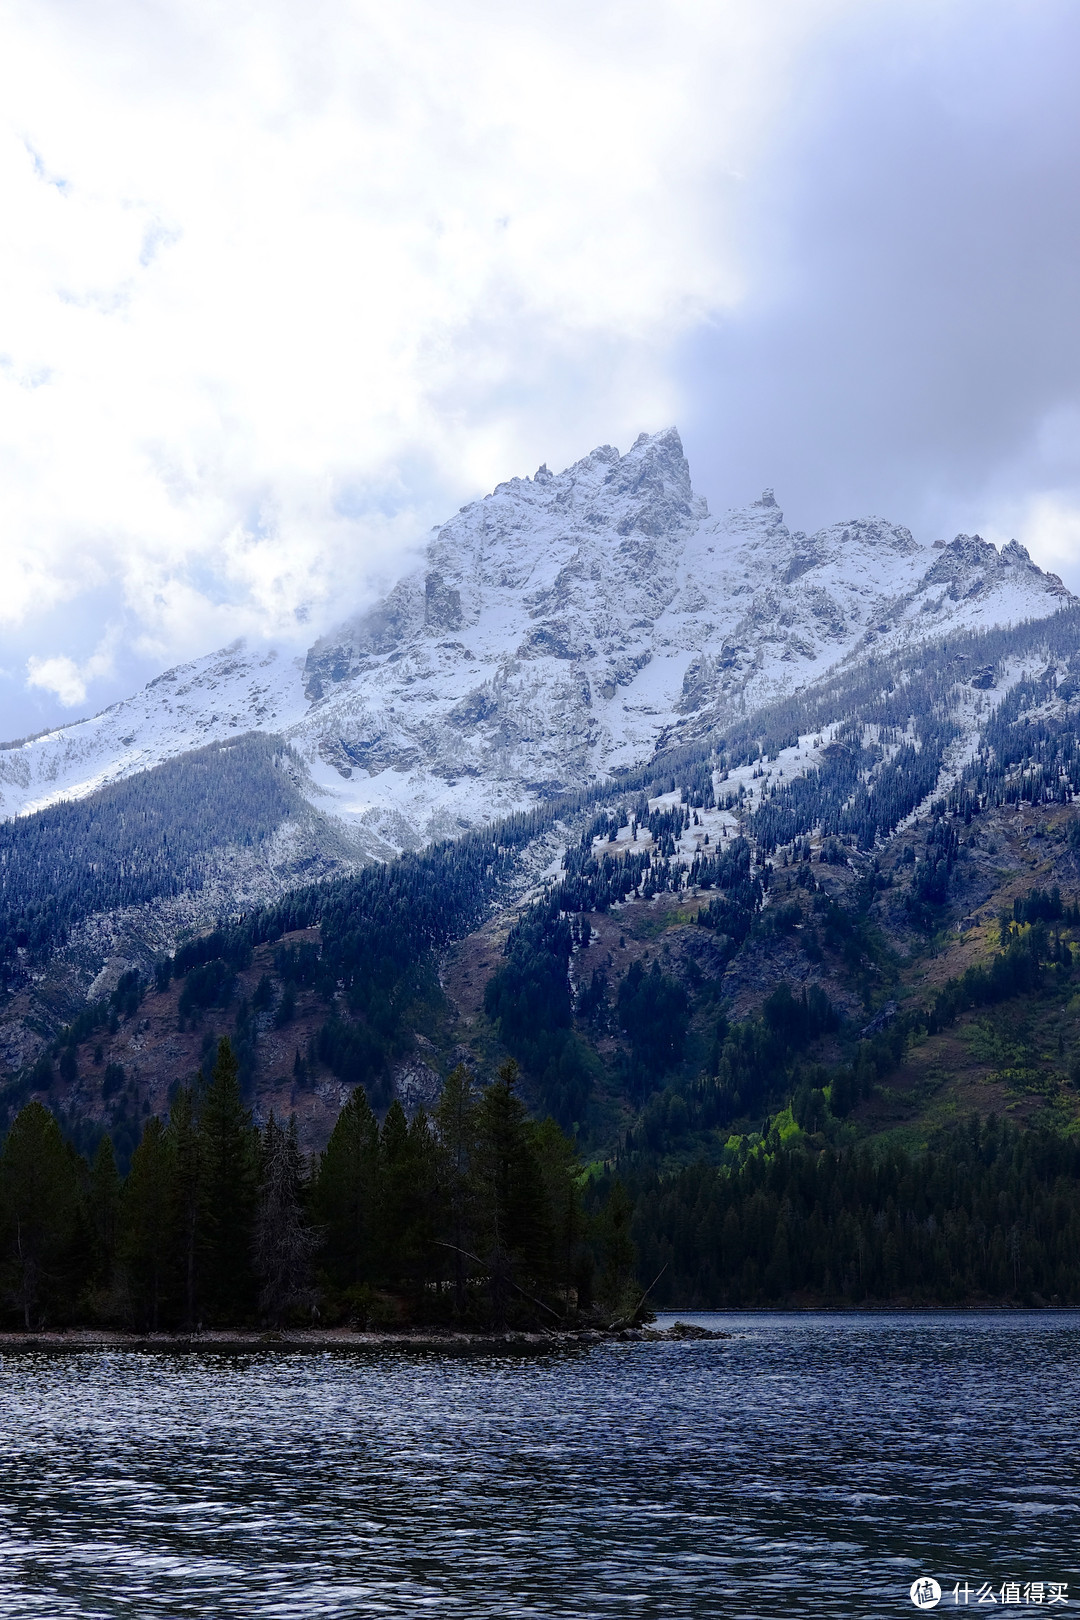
[(811, 1465)]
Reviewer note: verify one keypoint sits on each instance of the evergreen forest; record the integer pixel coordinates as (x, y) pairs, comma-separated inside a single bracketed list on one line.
[(472, 1218)]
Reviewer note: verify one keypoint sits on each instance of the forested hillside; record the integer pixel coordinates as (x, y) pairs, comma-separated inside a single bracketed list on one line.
[(155, 836), (764, 984)]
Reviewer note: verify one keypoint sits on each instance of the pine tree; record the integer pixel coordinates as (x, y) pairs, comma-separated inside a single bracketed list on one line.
[(39, 1199), (146, 1231), (397, 1196), (227, 1195), (423, 1263), (283, 1241), (512, 1191), (456, 1139), (103, 1210), (346, 1197), (568, 1268), (618, 1288), (185, 1151)]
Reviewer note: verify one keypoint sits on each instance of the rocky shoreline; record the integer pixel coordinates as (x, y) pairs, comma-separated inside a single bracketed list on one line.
[(223, 1341)]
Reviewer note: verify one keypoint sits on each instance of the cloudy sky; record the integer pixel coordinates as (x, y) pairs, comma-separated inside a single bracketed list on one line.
[(282, 285)]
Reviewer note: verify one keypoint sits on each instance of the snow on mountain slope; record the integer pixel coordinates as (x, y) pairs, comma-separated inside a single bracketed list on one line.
[(558, 628), (564, 626), (225, 694)]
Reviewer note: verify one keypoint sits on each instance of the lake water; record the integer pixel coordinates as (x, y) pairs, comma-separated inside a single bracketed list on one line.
[(811, 1465)]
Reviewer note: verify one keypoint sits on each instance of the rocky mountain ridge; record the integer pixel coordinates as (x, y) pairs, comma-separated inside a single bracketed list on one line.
[(559, 629)]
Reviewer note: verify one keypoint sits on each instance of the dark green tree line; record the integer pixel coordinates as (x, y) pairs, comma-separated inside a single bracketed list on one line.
[(475, 1215), (987, 1213)]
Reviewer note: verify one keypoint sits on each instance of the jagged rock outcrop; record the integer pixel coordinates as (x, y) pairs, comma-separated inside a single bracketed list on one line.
[(559, 628)]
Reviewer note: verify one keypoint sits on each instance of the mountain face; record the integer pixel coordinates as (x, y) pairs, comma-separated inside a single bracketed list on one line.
[(688, 707), (559, 629), (593, 634)]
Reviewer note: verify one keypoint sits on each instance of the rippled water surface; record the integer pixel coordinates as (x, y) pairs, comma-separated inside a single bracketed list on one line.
[(810, 1465)]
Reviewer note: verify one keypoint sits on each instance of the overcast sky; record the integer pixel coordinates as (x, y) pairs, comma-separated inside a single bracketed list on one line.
[(281, 286)]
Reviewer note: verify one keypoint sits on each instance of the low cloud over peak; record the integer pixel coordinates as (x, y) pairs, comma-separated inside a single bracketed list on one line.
[(284, 287)]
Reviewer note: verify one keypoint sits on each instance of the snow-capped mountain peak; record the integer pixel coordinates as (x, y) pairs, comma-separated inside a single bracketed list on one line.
[(560, 627), (541, 549)]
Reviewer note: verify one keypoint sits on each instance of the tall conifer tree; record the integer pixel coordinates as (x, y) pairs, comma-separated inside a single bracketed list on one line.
[(146, 1237), (39, 1196), (283, 1241), (566, 1263), (227, 1194), (512, 1189), (423, 1263), (103, 1210), (185, 1152), (456, 1138), (397, 1196), (618, 1287), (346, 1195)]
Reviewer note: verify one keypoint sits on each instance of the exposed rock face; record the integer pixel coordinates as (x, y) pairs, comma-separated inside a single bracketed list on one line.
[(567, 625), (561, 627), (970, 567)]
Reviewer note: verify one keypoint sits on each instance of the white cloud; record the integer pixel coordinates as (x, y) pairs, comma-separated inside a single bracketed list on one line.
[(910, 339), (281, 285), (67, 680), (61, 676), (279, 282)]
